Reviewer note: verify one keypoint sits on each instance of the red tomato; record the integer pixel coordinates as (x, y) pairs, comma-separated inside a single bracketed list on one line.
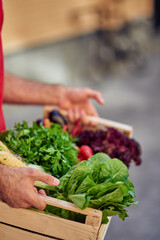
[(86, 151), (81, 157)]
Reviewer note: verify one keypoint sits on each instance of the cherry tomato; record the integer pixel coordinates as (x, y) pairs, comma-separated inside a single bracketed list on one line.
[(81, 157), (86, 151)]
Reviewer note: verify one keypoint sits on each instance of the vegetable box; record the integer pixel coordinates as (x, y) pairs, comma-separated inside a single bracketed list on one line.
[(26, 224)]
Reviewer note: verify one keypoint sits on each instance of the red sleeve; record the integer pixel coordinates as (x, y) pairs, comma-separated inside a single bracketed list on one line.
[(2, 122)]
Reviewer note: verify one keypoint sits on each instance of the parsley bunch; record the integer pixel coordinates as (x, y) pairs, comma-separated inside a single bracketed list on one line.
[(51, 148)]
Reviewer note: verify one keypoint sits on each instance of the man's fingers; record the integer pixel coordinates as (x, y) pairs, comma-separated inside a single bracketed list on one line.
[(95, 95), (36, 202), (77, 114), (37, 175), (35, 189), (74, 114), (71, 115), (91, 110), (42, 192)]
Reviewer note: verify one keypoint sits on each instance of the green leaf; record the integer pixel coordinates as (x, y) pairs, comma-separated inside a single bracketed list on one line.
[(117, 169), (115, 196), (81, 200), (51, 148), (101, 189), (85, 185)]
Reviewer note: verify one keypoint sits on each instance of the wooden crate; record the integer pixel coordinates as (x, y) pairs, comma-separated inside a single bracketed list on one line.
[(26, 224)]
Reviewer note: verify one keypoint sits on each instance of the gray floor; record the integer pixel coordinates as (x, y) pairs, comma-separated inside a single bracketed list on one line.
[(130, 98)]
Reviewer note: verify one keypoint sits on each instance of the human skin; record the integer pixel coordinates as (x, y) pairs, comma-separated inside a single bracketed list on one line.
[(77, 101), (17, 186)]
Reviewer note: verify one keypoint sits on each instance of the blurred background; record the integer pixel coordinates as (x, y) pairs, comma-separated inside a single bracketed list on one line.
[(109, 45)]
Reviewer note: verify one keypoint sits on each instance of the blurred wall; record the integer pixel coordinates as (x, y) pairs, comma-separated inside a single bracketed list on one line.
[(27, 23)]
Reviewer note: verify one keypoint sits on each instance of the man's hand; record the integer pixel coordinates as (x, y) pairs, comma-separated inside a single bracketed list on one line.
[(77, 102), (17, 186)]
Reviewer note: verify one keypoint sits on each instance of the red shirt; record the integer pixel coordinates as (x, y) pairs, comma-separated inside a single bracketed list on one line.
[(2, 122)]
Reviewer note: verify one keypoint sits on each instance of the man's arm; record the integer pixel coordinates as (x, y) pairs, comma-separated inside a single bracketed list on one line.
[(21, 91), (75, 100)]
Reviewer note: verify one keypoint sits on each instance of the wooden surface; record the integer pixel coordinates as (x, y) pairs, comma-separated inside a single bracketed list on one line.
[(94, 217), (32, 22), (11, 233), (46, 224), (103, 230), (8, 232), (117, 12)]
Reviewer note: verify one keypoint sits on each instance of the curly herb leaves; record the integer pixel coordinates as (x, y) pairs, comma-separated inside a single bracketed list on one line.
[(52, 148)]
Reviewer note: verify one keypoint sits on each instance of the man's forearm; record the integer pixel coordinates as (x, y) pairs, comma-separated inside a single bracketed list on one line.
[(21, 91)]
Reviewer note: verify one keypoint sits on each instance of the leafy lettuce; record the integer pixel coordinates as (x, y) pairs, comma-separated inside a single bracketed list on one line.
[(101, 183)]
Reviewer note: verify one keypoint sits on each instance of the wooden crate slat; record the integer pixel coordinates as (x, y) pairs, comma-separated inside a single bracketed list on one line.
[(47, 224), (70, 206), (11, 233), (94, 214), (103, 229)]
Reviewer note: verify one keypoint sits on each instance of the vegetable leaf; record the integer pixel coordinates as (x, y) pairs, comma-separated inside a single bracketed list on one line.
[(52, 148)]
